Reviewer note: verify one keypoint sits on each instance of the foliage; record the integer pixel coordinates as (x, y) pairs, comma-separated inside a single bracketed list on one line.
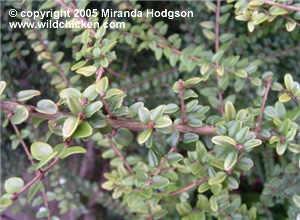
[(193, 118)]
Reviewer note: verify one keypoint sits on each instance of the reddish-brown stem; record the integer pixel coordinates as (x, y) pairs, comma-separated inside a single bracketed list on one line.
[(188, 26), (183, 107), (107, 108), (120, 155), (150, 213), (287, 7), (161, 165), (115, 123), (199, 164), (117, 74), (178, 192), (46, 204), (284, 52), (258, 128), (73, 13), (32, 163), (291, 20), (38, 177), (151, 27), (23, 143), (149, 79), (99, 74)]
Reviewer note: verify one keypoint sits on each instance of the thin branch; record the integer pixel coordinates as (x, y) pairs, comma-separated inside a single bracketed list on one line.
[(161, 165), (115, 123), (32, 163), (120, 155), (287, 7), (183, 107), (117, 74), (150, 213), (99, 74), (258, 128), (188, 26), (73, 13), (38, 177), (284, 52)]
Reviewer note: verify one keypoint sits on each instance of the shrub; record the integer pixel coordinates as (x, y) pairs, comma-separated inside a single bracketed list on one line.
[(191, 118)]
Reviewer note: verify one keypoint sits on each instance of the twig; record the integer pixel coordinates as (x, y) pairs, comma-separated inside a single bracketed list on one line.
[(115, 123), (288, 7), (99, 74), (41, 175), (183, 107), (150, 213), (161, 165), (117, 74), (73, 13), (258, 128), (188, 26), (120, 155)]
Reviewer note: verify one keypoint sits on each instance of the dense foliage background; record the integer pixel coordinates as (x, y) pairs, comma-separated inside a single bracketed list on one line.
[(226, 75)]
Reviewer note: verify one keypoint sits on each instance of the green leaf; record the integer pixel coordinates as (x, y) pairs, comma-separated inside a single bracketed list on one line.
[(174, 157), (87, 70), (230, 160), (33, 189), (13, 184), (284, 126), (223, 141), (245, 163), (65, 93), (2, 86), (192, 81), (290, 26), (171, 108), (230, 111), (144, 136), (261, 17), (92, 108), (20, 115), (203, 187), (83, 130), (241, 135), (281, 148), (72, 150), (218, 178), (113, 92), (190, 137), (159, 181), (98, 120), (69, 126), (46, 159), (102, 85), (189, 94), (159, 214), (5, 202), (252, 143), (153, 161), (78, 65), (162, 122), (289, 82), (232, 182), (191, 105), (173, 139), (39, 150), (27, 94), (284, 98), (124, 137), (276, 10), (46, 106), (157, 112), (144, 115), (296, 200), (74, 105)]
